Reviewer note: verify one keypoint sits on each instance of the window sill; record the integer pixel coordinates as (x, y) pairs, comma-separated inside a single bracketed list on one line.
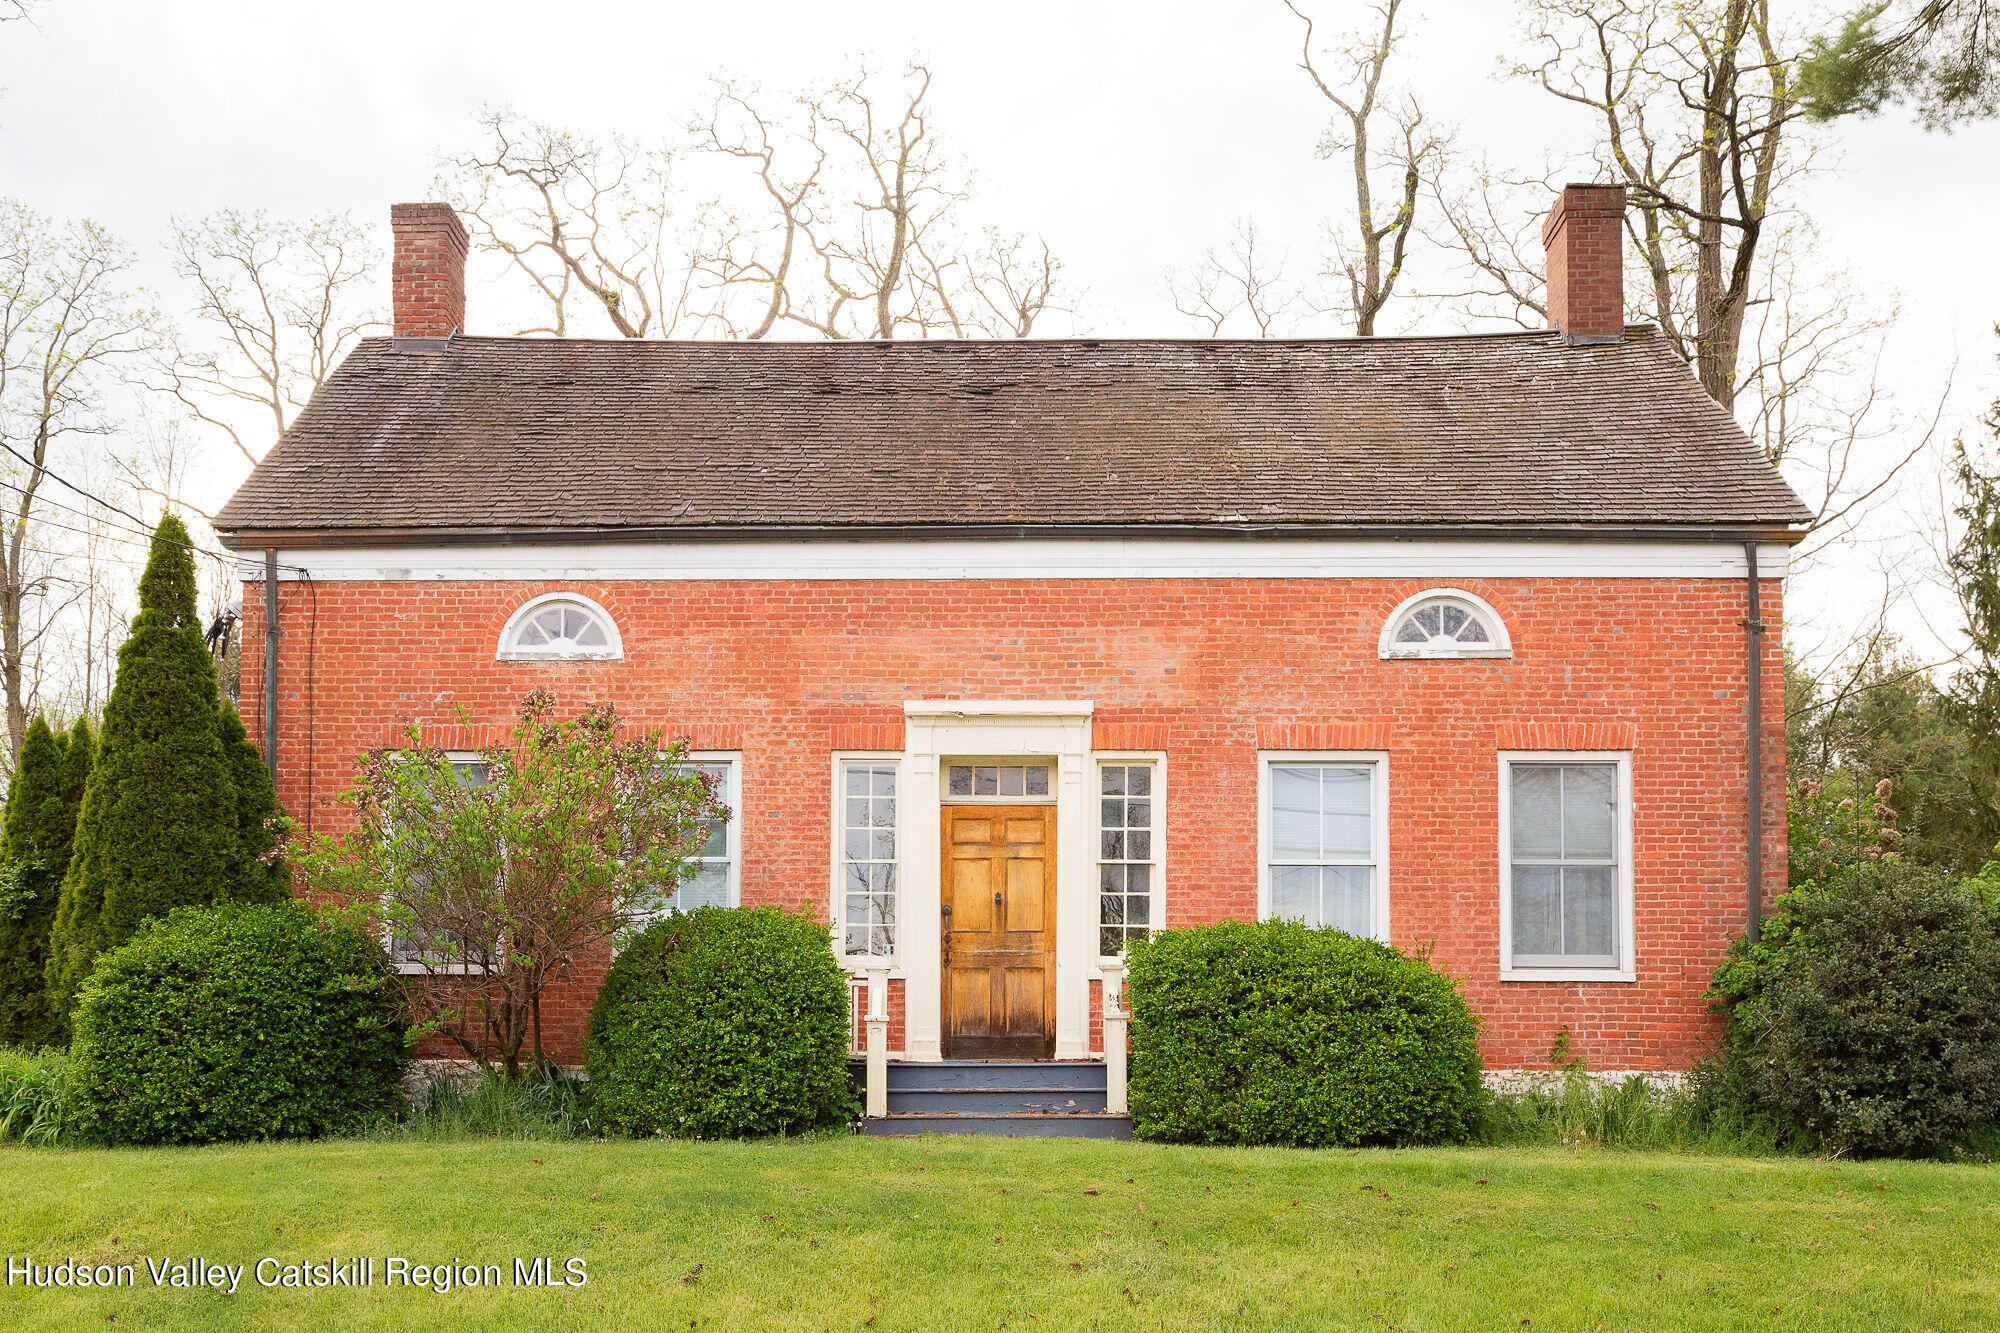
[(1566, 974), (448, 970), (857, 966)]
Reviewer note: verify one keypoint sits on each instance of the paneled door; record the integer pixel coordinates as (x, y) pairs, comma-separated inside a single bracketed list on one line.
[(999, 932)]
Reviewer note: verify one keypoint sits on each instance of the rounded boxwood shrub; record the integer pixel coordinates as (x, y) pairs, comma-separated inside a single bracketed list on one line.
[(239, 1021), (719, 1023), (1875, 1027), (1280, 1033)]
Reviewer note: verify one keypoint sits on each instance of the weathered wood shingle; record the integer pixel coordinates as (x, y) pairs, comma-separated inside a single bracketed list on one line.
[(1482, 430)]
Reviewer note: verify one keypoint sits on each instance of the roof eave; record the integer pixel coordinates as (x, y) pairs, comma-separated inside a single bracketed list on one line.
[(253, 538)]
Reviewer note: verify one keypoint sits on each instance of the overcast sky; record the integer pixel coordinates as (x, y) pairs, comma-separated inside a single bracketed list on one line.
[(1129, 134)]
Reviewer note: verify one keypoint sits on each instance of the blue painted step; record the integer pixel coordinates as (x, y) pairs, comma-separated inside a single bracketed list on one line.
[(1096, 1125), (1039, 1098)]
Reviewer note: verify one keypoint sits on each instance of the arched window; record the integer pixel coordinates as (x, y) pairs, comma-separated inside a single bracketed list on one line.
[(561, 627), (1445, 622)]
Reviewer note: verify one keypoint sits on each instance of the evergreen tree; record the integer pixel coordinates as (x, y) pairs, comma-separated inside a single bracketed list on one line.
[(262, 875), (158, 828), (42, 807)]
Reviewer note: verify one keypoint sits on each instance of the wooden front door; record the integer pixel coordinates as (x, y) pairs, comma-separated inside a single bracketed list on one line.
[(999, 932)]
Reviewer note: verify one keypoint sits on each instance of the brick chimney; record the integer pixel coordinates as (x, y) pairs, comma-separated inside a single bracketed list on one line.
[(427, 271), (1585, 238)]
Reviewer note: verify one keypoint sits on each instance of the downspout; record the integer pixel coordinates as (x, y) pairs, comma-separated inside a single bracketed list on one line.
[(1755, 627), (271, 660)]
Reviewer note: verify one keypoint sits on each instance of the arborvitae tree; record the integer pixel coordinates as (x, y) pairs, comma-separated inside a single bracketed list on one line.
[(159, 822), (41, 817), (262, 875)]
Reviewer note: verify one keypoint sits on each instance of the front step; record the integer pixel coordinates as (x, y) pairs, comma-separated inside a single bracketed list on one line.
[(1025, 1098), (1018, 1125)]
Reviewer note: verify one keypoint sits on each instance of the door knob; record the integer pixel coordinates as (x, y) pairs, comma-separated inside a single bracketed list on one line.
[(947, 909)]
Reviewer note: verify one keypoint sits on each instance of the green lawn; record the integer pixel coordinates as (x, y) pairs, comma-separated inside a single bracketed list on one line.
[(962, 1234)]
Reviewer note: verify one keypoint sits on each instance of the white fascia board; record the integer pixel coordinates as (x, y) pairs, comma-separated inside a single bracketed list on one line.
[(1062, 558)]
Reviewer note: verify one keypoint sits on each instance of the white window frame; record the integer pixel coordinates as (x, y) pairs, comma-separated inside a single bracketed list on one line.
[(1624, 970), (421, 969), (1378, 825), (1389, 650), (731, 795), (1156, 907), (837, 844), (510, 651)]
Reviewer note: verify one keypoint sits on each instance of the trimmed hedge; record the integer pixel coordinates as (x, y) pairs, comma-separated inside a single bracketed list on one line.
[(721, 1023), (241, 1021), (1276, 1033)]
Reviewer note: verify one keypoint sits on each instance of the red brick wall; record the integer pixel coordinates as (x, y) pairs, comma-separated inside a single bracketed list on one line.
[(1204, 669)]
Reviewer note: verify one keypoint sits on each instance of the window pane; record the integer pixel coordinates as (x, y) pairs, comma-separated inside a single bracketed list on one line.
[(961, 780), (1139, 845), (1139, 780), (857, 812), (884, 780), (1411, 632), (1589, 805), (1138, 814), (1112, 846), (1347, 898), (857, 781), (1111, 879), (1590, 904), (1138, 908), (708, 888), (1474, 631), (1038, 780), (1111, 779), (1011, 782), (1346, 826), (1110, 941), (717, 842), (985, 781), (855, 846), (1111, 909), (1294, 813), (1536, 811), (1295, 893), (1537, 911)]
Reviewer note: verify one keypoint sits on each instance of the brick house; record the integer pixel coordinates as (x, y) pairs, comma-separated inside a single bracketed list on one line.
[(1006, 652)]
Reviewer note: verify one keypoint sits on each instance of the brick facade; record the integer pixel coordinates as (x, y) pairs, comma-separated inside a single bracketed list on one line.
[(1206, 670)]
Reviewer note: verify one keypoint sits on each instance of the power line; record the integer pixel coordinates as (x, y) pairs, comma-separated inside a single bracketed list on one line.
[(142, 530)]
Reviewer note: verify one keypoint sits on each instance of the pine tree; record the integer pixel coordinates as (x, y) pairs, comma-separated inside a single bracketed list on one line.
[(158, 828), (42, 807), (262, 875)]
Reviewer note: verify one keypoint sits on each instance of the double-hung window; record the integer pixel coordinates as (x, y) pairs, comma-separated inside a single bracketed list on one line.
[(1129, 836), (866, 893), (413, 949), (718, 862), (1322, 826), (1566, 866)]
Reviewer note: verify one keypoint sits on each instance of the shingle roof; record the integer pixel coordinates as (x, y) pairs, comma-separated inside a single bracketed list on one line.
[(1474, 431)]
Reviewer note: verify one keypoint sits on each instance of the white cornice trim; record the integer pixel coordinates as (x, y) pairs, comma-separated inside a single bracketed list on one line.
[(1007, 708), (1060, 558)]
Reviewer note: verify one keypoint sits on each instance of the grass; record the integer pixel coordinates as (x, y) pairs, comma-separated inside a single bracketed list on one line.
[(882, 1234)]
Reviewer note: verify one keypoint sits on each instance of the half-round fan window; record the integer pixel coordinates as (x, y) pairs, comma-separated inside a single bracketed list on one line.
[(1445, 622), (560, 627)]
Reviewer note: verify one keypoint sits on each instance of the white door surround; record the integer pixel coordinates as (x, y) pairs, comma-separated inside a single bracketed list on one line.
[(1058, 731)]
